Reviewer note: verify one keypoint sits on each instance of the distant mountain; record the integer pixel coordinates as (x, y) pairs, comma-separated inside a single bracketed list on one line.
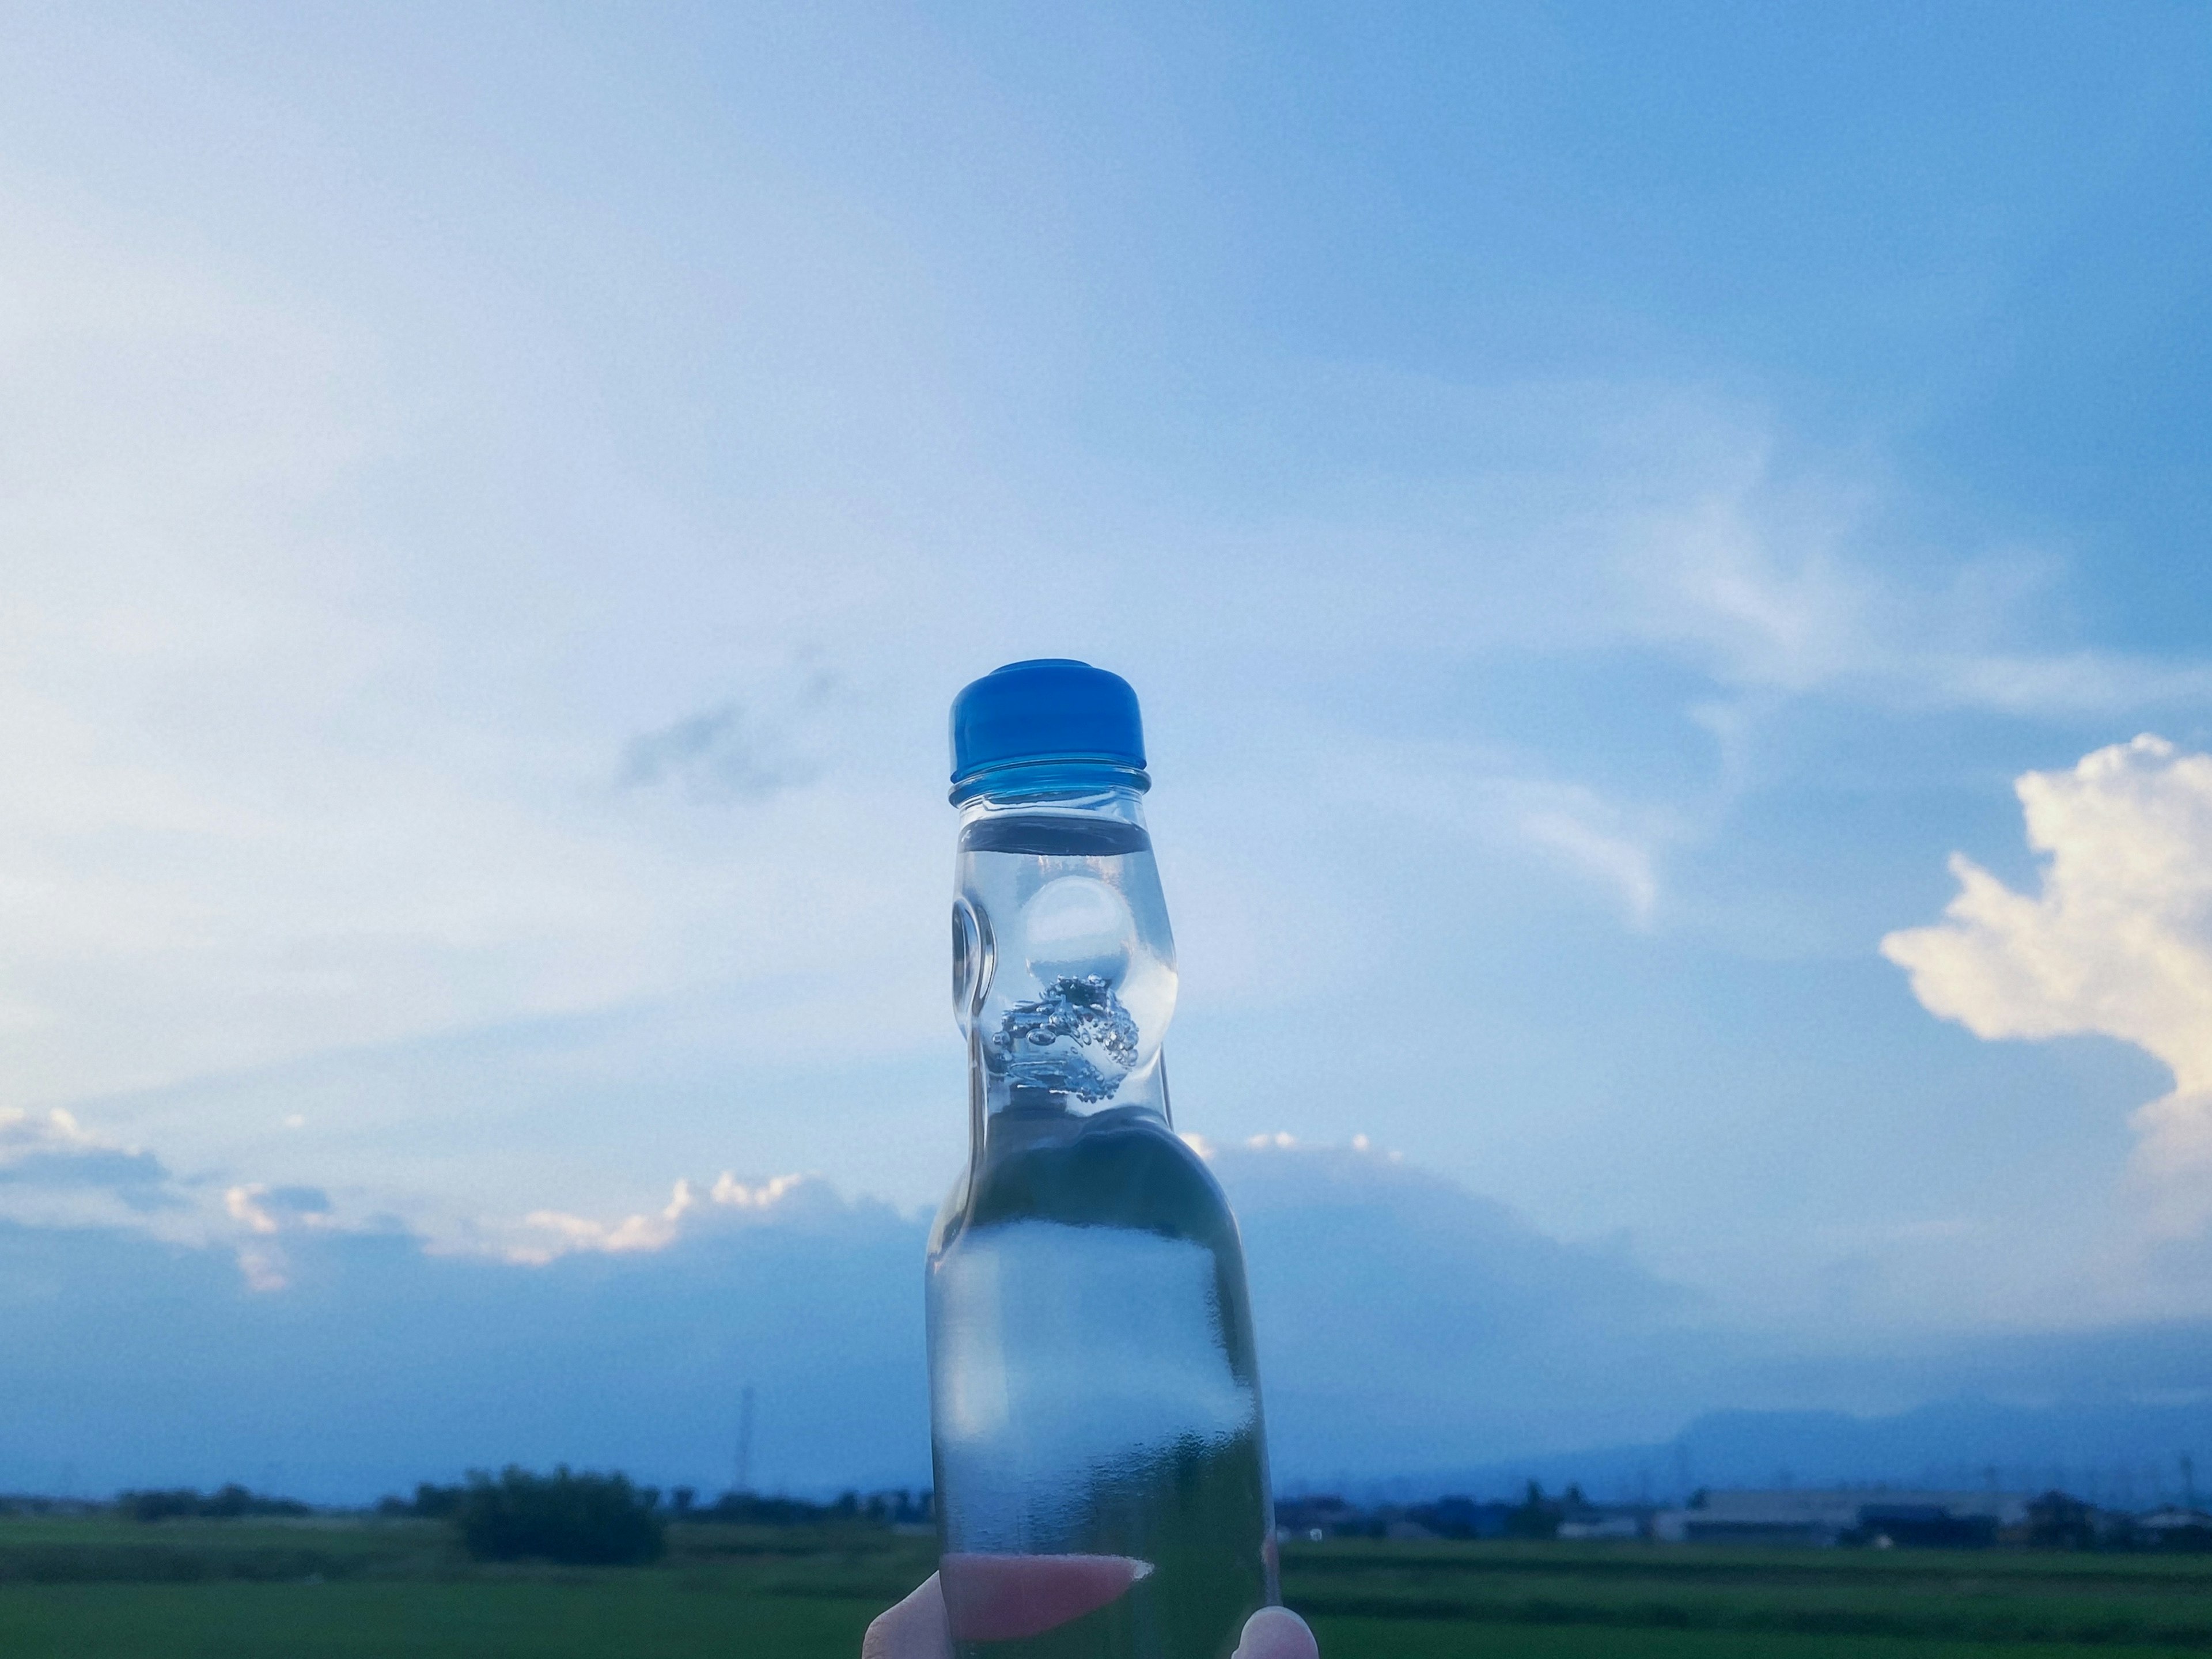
[(2123, 1454)]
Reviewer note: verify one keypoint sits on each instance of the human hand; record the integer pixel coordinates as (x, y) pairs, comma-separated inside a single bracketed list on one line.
[(1004, 1596)]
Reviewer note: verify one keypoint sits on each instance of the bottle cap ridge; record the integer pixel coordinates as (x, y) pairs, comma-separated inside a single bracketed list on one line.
[(1050, 709)]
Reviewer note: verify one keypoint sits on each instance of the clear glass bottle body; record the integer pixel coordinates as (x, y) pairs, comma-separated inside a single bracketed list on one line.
[(1094, 1392)]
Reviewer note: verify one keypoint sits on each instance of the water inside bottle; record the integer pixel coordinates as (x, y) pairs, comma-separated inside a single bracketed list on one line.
[(1095, 1387)]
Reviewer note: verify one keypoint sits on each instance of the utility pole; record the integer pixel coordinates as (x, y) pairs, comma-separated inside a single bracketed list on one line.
[(745, 1440), (2188, 1481)]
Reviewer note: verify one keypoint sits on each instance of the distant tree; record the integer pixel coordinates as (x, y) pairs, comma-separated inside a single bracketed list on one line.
[(2054, 1521), (1535, 1517), (430, 1502), (159, 1506), (682, 1498), (438, 1502), (582, 1520), (2191, 1540), (751, 1509), (229, 1502), (1458, 1517)]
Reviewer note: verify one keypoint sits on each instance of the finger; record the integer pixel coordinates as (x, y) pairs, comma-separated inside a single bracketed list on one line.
[(914, 1629), (1002, 1598), (1277, 1633)]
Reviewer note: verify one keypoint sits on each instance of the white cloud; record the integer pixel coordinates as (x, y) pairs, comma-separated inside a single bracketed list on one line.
[(265, 1210), (2118, 943), (659, 1230), (729, 1190), (24, 1136), (575, 1232), (266, 1213), (55, 1172)]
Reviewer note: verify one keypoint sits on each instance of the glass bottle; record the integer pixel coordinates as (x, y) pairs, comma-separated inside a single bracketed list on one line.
[(1101, 1464)]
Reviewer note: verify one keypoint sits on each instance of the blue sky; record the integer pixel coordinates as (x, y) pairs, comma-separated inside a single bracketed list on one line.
[(1601, 504)]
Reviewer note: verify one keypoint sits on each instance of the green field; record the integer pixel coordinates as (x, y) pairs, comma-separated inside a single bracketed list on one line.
[(263, 1589)]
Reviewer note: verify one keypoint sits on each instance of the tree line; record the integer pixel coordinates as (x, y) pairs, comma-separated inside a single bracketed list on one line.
[(570, 1517)]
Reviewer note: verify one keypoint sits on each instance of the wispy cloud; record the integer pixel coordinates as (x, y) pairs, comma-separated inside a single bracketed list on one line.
[(1808, 586), (1613, 846), (718, 754), (1589, 835)]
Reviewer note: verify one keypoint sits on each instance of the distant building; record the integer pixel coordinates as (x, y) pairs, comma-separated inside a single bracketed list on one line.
[(1619, 1524), (1315, 1518), (1463, 1517), (2175, 1529), (1818, 1517), (1311, 1519)]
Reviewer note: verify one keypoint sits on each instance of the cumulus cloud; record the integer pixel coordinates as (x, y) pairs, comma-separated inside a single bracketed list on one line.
[(2118, 943), (1402, 1319), (560, 1233), (364, 1362), (267, 1210), (56, 1166), (56, 1172), (575, 1232), (1497, 1336)]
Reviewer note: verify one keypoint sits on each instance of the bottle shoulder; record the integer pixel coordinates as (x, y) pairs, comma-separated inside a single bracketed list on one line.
[(1121, 1167)]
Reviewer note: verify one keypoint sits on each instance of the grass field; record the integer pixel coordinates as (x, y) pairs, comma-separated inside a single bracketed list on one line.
[(71, 1589)]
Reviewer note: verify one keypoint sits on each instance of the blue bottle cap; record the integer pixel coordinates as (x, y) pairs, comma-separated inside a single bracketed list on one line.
[(1052, 709)]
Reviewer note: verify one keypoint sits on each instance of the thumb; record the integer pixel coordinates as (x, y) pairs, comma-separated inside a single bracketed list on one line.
[(1277, 1633)]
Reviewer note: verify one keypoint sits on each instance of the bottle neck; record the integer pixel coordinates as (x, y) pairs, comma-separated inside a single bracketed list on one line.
[(1015, 783), (1064, 976)]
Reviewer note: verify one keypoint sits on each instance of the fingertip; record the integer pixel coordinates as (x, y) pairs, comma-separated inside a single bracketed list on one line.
[(1277, 1633), (914, 1629)]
